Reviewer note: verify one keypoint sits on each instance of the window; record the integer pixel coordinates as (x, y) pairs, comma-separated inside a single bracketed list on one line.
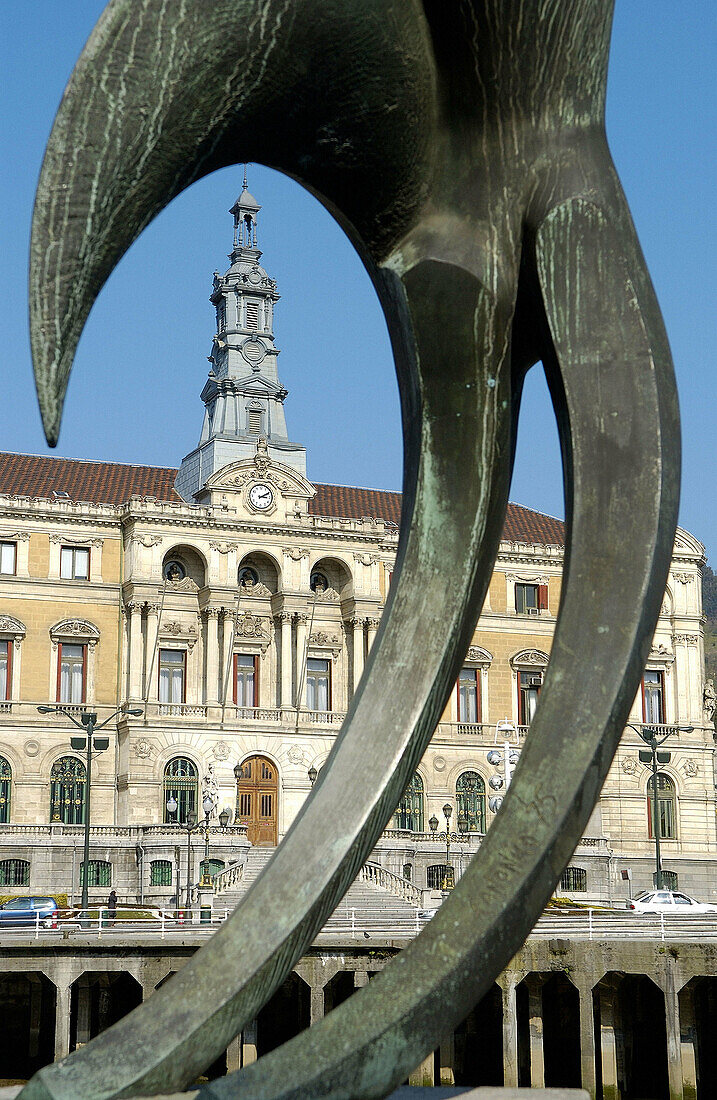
[(529, 685), (160, 872), (574, 879), (75, 563), (530, 599), (246, 680), (653, 713), (669, 881), (318, 684), (8, 558), (221, 316), (470, 803), (171, 676), (5, 785), (182, 782), (439, 875), (665, 807), (99, 873), (71, 672), (211, 867), (252, 314), (67, 791), (469, 709), (254, 420), (408, 872), (5, 669), (14, 872), (409, 812)]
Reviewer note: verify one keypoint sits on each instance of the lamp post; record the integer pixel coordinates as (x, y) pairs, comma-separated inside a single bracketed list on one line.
[(507, 759), (207, 806), (649, 735), (446, 834), (312, 774), (93, 745)]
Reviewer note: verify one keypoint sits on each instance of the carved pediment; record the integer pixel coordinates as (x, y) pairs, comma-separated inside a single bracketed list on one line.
[(10, 625), (78, 630), (531, 658)]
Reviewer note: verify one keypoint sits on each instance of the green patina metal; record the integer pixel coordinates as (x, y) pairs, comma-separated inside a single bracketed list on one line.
[(461, 145)]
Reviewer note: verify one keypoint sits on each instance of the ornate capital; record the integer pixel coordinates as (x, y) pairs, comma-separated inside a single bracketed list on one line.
[(146, 540), (295, 552), (686, 639)]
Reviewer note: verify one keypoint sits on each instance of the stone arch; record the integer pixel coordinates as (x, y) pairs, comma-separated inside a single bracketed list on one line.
[(337, 571), (267, 569), (191, 560)]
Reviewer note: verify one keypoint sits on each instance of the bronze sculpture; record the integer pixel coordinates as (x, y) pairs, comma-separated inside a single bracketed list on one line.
[(461, 145)]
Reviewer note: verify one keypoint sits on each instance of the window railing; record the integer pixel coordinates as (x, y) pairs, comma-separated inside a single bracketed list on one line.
[(257, 714), (178, 710)]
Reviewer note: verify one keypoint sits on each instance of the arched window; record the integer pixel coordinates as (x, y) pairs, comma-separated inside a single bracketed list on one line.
[(160, 872), (182, 783), (666, 816), (574, 879), (470, 802), (5, 787), (14, 872), (100, 873), (211, 867), (67, 791), (409, 812), (439, 876)]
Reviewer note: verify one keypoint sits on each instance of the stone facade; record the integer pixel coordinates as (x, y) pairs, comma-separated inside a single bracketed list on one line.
[(238, 617)]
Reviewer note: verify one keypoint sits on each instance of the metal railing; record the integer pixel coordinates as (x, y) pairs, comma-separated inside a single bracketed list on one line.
[(376, 875)]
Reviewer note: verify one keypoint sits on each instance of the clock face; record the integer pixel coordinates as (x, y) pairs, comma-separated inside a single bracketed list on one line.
[(261, 497)]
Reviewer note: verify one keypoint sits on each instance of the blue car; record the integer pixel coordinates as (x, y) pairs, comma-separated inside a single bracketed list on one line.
[(26, 912)]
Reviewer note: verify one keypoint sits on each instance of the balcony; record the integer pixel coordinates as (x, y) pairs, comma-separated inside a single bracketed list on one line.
[(478, 731)]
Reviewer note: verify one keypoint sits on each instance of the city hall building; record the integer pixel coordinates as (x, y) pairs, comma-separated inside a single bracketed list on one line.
[(233, 602)]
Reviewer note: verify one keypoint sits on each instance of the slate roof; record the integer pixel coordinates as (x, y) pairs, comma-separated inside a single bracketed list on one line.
[(115, 482)]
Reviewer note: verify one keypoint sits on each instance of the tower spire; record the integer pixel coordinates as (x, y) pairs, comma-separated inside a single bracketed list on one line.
[(243, 397)]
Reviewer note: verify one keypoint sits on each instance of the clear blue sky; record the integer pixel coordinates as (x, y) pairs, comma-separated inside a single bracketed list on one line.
[(134, 396)]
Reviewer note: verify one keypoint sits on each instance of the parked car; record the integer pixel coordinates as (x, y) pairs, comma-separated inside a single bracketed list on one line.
[(670, 902), (21, 912)]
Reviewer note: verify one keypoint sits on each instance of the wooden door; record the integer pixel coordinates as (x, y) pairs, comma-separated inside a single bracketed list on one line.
[(257, 800)]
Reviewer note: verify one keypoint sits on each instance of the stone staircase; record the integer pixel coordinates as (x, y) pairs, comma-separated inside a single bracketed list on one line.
[(367, 910)]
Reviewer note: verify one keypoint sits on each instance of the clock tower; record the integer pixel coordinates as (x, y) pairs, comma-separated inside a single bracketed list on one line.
[(243, 397)]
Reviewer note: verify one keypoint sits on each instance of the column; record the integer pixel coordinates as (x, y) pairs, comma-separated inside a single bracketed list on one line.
[(672, 1022), (358, 648), (35, 1015), (535, 1031), (151, 673), (286, 618), (300, 694), (234, 1055), (317, 1004), (446, 1075), (372, 625), (422, 1076), (587, 1040), (248, 1043), (135, 651), (84, 1004), (211, 687), (608, 1041), (62, 1021), (688, 1042), (226, 693), (507, 983)]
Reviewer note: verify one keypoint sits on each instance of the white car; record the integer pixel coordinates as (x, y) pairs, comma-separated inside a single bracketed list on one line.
[(670, 902)]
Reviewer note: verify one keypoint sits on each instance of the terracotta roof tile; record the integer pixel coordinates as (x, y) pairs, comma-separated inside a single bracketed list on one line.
[(521, 524), (95, 482), (115, 482)]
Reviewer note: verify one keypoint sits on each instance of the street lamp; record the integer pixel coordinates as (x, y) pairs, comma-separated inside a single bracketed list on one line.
[(88, 724), (312, 774), (207, 806), (446, 834), (653, 758), (507, 758)]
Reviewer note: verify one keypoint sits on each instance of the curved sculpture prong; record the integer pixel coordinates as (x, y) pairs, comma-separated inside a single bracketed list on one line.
[(493, 208)]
